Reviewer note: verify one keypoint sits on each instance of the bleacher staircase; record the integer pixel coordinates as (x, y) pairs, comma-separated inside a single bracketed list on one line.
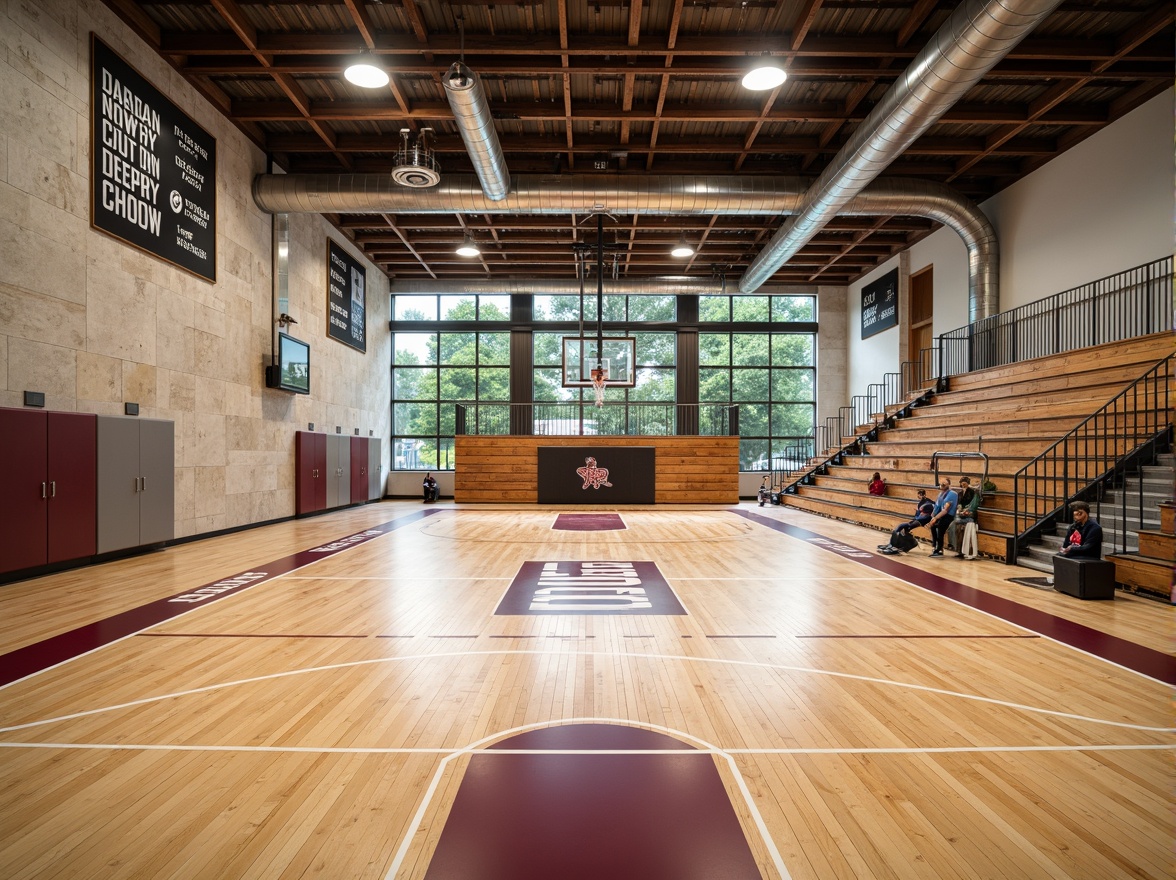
[(1149, 569), (1011, 413)]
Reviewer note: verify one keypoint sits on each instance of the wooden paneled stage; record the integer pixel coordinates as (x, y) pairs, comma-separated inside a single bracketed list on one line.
[(689, 470), (676, 692)]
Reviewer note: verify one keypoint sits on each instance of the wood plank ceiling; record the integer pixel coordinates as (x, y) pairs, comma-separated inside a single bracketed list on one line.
[(639, 87)]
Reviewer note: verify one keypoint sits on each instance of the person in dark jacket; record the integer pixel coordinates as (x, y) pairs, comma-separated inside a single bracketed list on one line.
[(430, 488), (1084, 538), (900, 539)]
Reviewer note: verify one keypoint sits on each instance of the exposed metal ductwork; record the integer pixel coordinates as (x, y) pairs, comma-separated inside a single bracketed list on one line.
[(471, 110), (659, 195), (973, 39), (896, 195), (727, 195)]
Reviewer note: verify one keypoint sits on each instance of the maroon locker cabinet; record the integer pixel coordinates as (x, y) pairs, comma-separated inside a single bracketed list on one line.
[(24, 513), (73, 486), (49, 512), (310, 465), (359, 470)]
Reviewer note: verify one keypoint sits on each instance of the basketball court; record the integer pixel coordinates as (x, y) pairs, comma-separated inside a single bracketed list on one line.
[(391, 691)]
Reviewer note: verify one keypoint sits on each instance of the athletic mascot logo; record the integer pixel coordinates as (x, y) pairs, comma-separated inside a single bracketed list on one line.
[(592, 475)]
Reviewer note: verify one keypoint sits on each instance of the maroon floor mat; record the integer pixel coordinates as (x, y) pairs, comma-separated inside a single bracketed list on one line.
[(589, 522)]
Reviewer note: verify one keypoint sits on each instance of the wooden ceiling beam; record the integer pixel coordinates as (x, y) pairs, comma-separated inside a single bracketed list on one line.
[(1143, 30), (836, 69), (967, 114), (897, 224), (805, 17), (366, 143), (914, 20), (363, 21), (1086, 50), (236, 19)]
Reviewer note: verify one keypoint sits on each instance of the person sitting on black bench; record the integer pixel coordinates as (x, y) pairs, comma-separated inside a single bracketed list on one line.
[(901, 540), (430, 488), (1084, 538)]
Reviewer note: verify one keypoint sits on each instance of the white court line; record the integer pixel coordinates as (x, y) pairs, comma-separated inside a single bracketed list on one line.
[(198, 607), (418, 750), (778, 667), (905, 581)]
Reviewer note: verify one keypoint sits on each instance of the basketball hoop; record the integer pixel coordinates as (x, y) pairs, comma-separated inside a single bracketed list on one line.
[(598, 385)]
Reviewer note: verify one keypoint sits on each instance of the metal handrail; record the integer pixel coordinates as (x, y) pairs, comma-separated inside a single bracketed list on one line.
[(1135, 302), (577, 418), (1094, 433), (893, 384), (938, 454)]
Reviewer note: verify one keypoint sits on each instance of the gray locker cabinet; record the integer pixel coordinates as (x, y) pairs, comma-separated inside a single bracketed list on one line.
[(157, 490), (338, 470), (375, 470), (136, 482)]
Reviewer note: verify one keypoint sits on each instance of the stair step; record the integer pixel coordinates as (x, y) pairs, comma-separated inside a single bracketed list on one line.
[(1143, 573)]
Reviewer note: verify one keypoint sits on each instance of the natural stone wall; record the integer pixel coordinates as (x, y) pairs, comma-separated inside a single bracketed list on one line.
[(95, 323)]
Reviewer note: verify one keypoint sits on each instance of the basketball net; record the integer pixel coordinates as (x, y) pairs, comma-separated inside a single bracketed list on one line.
[(598, 385)]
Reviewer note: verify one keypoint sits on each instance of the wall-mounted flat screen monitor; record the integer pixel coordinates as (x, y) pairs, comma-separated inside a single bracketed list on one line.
[(292, 371)]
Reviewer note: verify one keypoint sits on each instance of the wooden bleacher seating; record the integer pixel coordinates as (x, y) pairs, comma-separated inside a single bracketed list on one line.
[(1150, 570), (1011, 413)]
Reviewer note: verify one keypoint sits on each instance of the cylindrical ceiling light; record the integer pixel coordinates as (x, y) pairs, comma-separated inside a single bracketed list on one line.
[(366, 73), (468, 247), (766, 77)]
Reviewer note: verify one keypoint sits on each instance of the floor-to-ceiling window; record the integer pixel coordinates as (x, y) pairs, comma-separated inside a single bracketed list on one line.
[(757, 352), (770, 373), (455, 357)]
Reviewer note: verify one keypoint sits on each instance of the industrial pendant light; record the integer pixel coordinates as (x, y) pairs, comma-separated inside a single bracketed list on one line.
[(468, 247), (766, 77), (366, 72)]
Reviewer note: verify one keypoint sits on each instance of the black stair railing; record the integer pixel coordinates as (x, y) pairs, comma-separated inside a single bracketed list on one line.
[(1125, 305), (1136, 423), (902, 391)]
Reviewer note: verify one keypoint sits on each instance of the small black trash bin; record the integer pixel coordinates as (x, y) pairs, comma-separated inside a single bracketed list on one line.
[(1084, 578)]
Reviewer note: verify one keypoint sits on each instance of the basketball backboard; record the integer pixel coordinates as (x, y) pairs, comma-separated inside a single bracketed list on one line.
[(617, 358)]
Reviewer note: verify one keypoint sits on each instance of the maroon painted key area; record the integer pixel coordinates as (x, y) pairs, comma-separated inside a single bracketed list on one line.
[(588, 817), (589, 522)]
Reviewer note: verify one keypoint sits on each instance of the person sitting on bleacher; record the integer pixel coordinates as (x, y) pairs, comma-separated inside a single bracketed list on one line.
[(961, 534), (901, 539), (1084, 539)]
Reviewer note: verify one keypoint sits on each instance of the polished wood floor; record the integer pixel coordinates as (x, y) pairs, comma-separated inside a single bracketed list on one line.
[(318, 723)]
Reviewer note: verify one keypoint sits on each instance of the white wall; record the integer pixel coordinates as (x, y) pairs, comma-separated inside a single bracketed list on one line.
[(1102, 207), (94, 323), (407, 484)]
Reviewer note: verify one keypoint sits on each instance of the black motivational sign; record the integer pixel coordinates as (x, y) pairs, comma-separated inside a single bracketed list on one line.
[(346, 294), (153, 170), (880, 304)]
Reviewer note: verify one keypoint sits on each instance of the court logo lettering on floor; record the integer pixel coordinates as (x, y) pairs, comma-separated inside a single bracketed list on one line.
[(604, 587)]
